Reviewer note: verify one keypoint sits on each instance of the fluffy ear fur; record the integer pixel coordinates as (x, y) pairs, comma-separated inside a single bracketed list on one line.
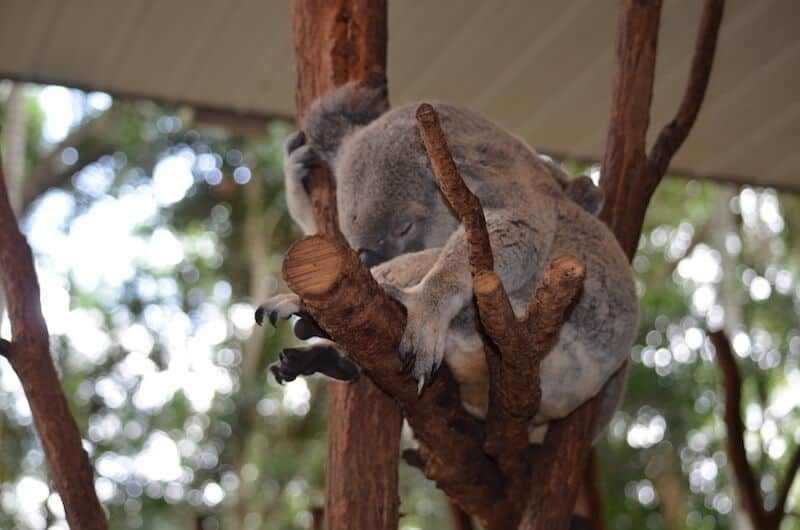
[(583, 191), (337, 115)]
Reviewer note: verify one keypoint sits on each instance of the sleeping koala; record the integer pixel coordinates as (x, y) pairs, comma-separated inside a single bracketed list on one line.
[(392, 212)]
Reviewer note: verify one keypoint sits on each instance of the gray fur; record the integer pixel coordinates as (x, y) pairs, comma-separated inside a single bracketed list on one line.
[(389, 205)]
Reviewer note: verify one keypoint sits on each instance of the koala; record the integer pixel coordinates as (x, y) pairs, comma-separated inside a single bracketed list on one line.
[(393, 214)]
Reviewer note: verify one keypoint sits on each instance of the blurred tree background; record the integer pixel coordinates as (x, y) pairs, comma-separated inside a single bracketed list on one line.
[(156, 236)]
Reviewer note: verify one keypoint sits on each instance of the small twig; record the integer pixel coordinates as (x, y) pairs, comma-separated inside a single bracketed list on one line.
[(749, 492)]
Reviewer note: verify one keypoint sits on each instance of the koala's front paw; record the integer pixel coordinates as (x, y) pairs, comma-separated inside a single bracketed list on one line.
[(298, 160), (425, 336), (282, 307), (279, 307)]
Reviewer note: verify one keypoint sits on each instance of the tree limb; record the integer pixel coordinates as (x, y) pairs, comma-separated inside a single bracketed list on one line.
[(747, 483), (68, 462), (746, 480), (628, 182), (344, 298), (779, 510), (518, 345), (675, 132)]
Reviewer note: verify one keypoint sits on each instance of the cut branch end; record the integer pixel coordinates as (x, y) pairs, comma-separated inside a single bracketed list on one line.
[(313, 266)]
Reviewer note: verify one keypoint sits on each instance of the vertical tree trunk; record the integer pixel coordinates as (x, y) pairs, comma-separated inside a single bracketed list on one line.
[(338, 41)]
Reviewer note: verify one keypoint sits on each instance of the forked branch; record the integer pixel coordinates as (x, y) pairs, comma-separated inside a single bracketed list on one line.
[(746, 480), (517, 345)]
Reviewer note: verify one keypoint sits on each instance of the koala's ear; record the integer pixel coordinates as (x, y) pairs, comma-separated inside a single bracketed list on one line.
[(338, 114), (583, 191)]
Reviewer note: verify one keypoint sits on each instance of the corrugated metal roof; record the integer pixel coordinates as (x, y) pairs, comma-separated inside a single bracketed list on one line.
[(542, 69)]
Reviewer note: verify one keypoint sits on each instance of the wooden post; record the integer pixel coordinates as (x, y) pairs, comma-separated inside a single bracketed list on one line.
[(337, 41)]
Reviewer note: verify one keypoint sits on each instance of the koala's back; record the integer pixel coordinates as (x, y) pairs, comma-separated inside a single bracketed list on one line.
[(496, 165), (509, 177)]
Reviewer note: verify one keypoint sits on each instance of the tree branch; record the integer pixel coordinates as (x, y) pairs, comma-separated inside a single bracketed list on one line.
[(628, 185), (344, 298), (517, 345), (68, 462), (747, 483), (675, 132), (778, 511)]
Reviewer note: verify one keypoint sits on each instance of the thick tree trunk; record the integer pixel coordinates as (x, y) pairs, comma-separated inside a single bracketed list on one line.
[(338, 41)]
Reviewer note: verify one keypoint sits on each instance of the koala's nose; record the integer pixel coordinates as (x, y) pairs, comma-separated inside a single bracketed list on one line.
[(370, 258)]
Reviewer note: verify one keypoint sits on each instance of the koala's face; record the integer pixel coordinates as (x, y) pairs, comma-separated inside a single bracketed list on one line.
[(388, 203)]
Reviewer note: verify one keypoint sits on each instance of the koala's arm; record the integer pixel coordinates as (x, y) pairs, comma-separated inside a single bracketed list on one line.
[(298, 158), (519, 244), (327, 123)]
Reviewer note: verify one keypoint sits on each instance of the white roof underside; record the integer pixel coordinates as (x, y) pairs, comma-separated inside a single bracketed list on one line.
[(542, 69)]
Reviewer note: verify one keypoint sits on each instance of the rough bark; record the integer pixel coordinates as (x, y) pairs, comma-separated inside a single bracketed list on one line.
[(336, 42), (29, 356), (747, 482)]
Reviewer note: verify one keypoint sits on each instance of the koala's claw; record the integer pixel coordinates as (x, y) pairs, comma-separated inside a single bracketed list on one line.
[(324, 358), (423, 342), (279, 307), (295, 140)]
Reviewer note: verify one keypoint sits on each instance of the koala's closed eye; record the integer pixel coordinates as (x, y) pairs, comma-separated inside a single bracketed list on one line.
[(404, 229)]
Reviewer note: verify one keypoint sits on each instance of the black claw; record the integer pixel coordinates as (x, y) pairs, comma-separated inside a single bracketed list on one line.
[(273, 317), (296, 141), (260, 315), (306, 328)]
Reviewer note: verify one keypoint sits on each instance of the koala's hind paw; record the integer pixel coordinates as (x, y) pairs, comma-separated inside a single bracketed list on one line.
[(323, 357), (425, 336)]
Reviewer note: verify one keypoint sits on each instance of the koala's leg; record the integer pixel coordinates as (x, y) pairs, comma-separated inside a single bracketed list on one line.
[(518, 244), (298, 160)]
